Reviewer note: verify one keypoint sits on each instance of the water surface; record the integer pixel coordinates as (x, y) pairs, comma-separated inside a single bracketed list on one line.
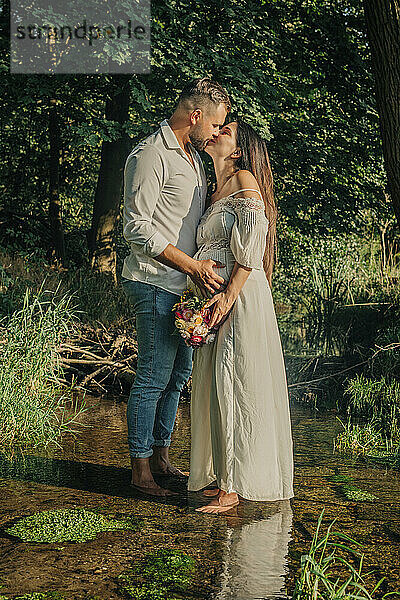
[(251, 553)]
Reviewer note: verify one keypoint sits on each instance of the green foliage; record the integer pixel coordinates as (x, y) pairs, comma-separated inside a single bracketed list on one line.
[(66, 525), (299, 72), (159, 576), (33, 410), (170, 566), (318, 578), (367, 440), (97, 297), (377, 400), (329, 272), (387, 362)]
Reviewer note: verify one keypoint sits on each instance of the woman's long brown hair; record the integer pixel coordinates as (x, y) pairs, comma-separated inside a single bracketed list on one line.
[(255, 159)]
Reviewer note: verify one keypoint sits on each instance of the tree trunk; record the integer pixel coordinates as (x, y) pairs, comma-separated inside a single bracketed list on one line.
[(57, 252), (383, 29), (106, 208)]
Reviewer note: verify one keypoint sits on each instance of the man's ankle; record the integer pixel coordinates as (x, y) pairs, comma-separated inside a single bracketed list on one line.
[(141, 467), (160, 453)]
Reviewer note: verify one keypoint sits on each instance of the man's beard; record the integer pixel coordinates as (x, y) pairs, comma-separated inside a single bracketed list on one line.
[(198, 141)]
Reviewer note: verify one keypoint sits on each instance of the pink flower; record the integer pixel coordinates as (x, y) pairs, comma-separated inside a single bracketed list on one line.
[(196, 339), (187, 314), (178, 315)]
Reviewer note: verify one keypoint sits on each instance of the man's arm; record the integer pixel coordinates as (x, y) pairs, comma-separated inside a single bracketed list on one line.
[(144, 177)]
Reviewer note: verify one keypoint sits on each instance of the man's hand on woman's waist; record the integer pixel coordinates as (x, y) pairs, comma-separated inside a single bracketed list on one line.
[(201, 272)]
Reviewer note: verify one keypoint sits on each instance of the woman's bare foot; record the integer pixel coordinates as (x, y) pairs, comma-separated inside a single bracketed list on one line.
[(211, 492), (223, 503)]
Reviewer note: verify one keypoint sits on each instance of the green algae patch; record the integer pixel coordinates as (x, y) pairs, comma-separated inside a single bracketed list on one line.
[(339, 479), (37, 596), (349, 491), (356, 495), (162, 575), (66, 525)]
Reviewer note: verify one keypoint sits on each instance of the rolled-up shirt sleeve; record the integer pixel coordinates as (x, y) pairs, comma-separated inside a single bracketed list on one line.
[(144, 177)]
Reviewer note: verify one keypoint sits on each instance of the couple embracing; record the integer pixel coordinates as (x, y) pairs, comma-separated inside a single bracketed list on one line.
[(241, 442)]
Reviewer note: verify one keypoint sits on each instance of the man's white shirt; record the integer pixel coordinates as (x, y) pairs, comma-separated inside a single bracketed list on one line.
[(164, 199)]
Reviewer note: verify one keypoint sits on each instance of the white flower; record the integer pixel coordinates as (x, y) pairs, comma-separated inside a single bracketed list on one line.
[(200, 330), (180, 323)]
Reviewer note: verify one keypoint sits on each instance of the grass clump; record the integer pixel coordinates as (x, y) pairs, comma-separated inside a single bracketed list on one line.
[(33, 407), (368, 441), (66, 525), (318, 578), (377, 400), (373, 407), (160, 575)]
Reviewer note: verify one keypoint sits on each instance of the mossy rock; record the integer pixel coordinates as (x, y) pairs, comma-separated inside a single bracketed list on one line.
[(66, 525)]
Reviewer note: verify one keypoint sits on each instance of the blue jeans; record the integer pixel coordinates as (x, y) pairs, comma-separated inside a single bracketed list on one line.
[(164, 365)]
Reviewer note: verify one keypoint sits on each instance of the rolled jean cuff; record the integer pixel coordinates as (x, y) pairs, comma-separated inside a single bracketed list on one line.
[(161, 443), (146, 454)]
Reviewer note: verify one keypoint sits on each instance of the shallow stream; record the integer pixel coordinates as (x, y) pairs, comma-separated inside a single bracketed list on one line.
[(250, 553)]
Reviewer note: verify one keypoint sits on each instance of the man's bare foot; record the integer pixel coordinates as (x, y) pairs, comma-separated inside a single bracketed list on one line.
[(223, 503), (152, 489), (160, 465), (171, 471), (143, 481)]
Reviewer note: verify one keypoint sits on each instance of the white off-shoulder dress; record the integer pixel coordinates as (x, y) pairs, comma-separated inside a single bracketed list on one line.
[(240, 418)]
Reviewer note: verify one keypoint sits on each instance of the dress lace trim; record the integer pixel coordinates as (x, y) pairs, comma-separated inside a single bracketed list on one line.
[(215, 244), (237, 203)]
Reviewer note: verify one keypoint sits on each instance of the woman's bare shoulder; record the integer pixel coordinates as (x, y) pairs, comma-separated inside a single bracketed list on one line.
[(245, 179)]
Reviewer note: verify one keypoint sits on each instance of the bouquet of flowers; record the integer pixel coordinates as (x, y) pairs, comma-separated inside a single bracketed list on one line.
[(192, 319)]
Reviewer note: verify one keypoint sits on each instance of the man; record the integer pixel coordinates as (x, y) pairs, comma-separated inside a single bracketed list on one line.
[(164, 196)]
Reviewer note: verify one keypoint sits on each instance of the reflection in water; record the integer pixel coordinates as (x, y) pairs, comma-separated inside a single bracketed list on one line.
[(254, 559)]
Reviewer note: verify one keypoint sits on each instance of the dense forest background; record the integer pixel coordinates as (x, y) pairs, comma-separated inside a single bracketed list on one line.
[(300, 72)]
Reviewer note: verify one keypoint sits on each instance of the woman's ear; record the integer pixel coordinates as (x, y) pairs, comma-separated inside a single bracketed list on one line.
[(236, 153)]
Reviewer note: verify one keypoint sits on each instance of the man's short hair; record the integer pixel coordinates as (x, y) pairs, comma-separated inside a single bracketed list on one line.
[(203, 93)]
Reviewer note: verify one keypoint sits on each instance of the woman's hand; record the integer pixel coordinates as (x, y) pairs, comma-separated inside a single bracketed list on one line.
[(203, 275), (222, 304)]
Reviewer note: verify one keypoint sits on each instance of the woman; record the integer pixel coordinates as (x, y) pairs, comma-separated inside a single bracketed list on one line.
[(240, 421)]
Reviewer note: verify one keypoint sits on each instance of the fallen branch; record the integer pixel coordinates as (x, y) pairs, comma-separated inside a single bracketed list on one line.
[(91, 353), (393, 346)]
